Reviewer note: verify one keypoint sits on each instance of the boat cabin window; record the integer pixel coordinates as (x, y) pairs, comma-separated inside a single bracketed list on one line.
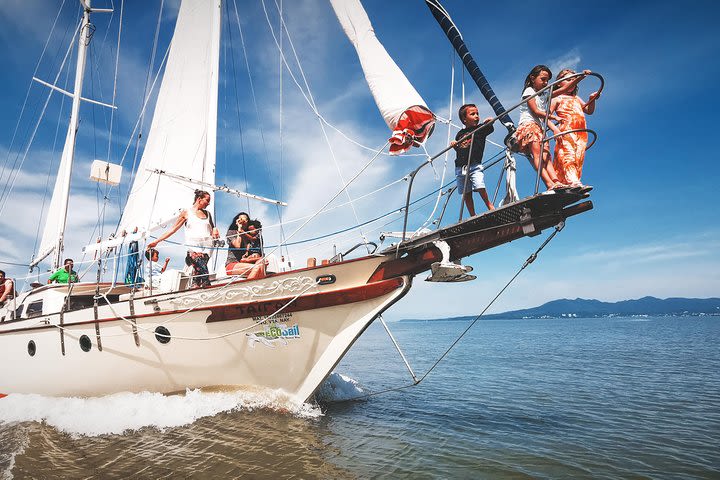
[(19, 310), (34, 309), (78, 302)]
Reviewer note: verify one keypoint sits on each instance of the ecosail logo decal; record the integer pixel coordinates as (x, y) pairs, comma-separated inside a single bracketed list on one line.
[(274, 333)]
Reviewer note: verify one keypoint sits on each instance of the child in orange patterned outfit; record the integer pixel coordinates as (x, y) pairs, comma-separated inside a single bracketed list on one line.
[(529, 133), (570, 148)]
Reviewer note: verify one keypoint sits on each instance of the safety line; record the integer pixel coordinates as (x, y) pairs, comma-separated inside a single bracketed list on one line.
[(529, 260)]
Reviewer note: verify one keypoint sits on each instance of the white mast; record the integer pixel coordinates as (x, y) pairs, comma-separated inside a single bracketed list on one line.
[(54, 232)]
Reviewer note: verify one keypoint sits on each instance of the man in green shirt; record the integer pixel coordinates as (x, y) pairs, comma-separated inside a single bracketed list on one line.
[(65, 274)]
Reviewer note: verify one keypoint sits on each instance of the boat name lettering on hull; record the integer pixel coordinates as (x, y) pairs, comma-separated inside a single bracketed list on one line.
[(280, 317), (259, 309), (274, 334)]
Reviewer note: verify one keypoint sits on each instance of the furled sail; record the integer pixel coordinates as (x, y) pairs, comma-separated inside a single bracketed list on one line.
[(400, 105), (182, 136)]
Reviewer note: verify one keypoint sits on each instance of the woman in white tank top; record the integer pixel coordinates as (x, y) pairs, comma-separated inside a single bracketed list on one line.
[(199, 234)]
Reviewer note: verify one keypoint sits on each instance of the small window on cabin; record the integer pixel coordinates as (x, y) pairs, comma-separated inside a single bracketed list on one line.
[(34, 309), (79, 302), (18, 311)]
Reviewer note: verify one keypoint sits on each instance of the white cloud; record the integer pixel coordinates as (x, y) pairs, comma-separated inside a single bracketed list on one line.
[(570, 59), (672, 249)]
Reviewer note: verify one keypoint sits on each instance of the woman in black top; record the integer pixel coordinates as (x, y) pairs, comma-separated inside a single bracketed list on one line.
[(245, 248)]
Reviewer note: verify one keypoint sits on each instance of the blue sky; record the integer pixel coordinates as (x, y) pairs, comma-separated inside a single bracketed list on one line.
[(654, 229)]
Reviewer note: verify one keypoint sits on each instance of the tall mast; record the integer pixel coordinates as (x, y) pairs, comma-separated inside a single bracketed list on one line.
[(56, 219), (458, 43), (69, 151)]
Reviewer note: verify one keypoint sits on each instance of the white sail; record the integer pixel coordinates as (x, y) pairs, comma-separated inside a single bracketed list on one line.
[(182, 136), (394, 94), (54, 231)]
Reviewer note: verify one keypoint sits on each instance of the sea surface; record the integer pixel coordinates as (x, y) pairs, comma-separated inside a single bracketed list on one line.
[(556, 398)]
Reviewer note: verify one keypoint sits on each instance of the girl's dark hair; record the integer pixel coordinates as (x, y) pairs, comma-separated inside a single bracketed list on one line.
[(534, 73), (200, 194), (463, 111), (150, 252), (233, 223), (258, 230)]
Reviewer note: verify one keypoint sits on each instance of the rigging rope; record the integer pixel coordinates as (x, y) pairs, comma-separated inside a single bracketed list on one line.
[(146, 93), (237, 104), (314, 107), (27, 94), (15, 171), (49, 176), (280, 126), (317, 113), (447, 141), (417, 381), (345, 185), (257, 109), (117, 63)]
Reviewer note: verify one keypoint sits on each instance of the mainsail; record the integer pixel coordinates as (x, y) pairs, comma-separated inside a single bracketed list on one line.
[(400, 105), (182, 136)]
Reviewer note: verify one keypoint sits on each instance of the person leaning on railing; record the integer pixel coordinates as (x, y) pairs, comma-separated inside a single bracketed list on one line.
[(570, 145), (199, 234)]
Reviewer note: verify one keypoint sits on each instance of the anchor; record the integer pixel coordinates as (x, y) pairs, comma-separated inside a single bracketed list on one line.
[(447, 271)]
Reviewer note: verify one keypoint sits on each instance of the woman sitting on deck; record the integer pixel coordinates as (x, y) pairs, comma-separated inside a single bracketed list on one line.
[(245, 255)]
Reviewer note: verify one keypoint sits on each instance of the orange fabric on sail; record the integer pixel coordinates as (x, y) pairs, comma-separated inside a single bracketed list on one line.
[(570, 147), (414, 126)]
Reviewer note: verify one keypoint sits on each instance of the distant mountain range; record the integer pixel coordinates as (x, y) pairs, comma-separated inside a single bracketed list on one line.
[(583, 308)]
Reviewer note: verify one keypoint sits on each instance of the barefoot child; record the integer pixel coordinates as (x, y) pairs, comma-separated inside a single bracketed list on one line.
[(468, 168), (529, 133), (570, 148)]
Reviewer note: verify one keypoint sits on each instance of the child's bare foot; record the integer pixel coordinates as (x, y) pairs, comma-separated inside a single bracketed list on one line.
[(491, 207)]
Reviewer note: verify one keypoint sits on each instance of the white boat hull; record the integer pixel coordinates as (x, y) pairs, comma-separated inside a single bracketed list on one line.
[(229, 335)]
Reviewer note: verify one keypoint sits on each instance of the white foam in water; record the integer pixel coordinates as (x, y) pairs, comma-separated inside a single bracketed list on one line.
[(121, 412), (20, 449), (338, 387)]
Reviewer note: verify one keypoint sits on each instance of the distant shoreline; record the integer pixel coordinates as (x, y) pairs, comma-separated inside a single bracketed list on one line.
[(587, 308)]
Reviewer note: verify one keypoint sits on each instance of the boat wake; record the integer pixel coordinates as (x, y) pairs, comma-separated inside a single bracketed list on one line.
[(124, 412), (338, 388)]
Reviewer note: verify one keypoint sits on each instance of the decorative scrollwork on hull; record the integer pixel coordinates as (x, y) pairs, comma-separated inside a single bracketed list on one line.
[(285, 286)]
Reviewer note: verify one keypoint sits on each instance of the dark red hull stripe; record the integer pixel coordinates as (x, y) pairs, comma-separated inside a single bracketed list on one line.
[(252, 309), (306, 302)]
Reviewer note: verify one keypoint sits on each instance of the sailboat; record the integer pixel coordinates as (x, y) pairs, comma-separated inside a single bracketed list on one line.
[(286, 331)]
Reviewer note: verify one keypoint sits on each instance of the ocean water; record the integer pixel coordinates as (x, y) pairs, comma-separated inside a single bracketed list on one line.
[(561, 398)]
